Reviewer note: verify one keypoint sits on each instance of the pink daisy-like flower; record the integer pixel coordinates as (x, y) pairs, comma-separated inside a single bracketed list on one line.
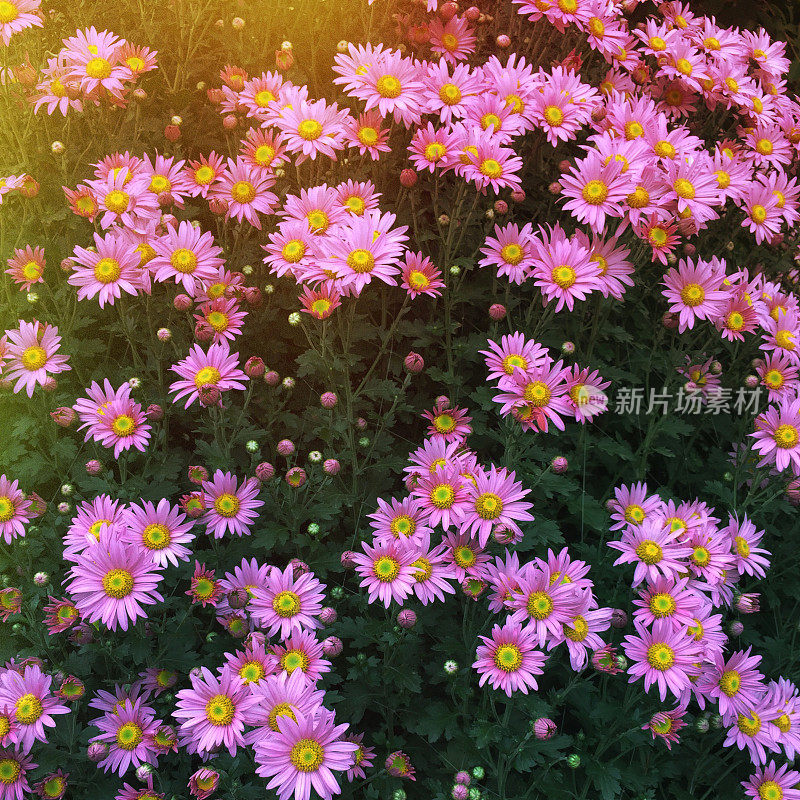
[(594, 188), (403, 520), (694, 292), (166, 176), (88, 522), (433, 148), (420, 276), (14, 768), (318, 206), (749, 557), (202, 174), (34, 706), (773, 783), (214, 712), (204, 589), (386, 571), (125, 200), (511, 250), (304, 753), (320, 303), (393, 85), (449, 424), (113, 265), (9, 183), (762, 215), (586, 390), (454, 40), (26, 266), (186, 254), (490, 165), (262, 148), (509, 660), (564, 272), (218, 367), (301, 652), (432, 572), (32, 355), (123, 425), (366, 134), (363, 758), (445, 93), (467, 557), (668, 600), (779, 374), (245, 191), (751, 730), (94, 62), (735, 683), (99, 399), (128, 730), (285, 604), (56, 90), (440, 493), (664, 656), (282, 695), (111, 581), (161, 530), (16, 15), (581, 634), (544, 606), (310, 129), (14, 510), (224, 317), (250, 665), (494, 500), (665, 725), (290, 249), (230, 508), (777, 435), (357, 197), (654, 548), (780, 333), (514, 352)]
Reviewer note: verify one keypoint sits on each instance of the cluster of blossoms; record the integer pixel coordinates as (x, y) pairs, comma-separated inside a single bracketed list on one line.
[(536, 390), (688, 567), (547, 602)]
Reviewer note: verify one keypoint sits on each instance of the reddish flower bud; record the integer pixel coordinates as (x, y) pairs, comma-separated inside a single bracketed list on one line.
[(203, 332), (218, 206), (254, 367), (229, 122), (472, 13), (253, 296), (215, 96), (348, 559), (271, 378), (30, 187), (599, 113), (448, 10), (93, 467), (284, 60), (197, 474), (264, 471), (209, 395), (332, 646), (172, 133), (544, 728), (63, 416), (408, 178), (328, 400), (503, 41), (518, 195), (413, 363), (182, 302), (406, 618), (500, 206), (331, 466), (497, 311), (155, 412)]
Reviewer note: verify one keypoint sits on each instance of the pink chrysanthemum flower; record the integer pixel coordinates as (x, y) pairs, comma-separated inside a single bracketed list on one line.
[(186, 254), (363, 758), (14, 510), (781, 332), (664, 656), (290, 249), (586, 390), (320, 303), (28, 694), (366, 134), (494, 500), (511, 250), (111, 581), (230, 508), (259, 94), (94, 62), (301, 652), (224, 317), (514, 352), (736, 318), (777, 435), (440, 492), (545, 606), (215, 288), (783, 696), (14, 768), (564, 272), (595, 188), (16, 15), (433, 148), (581, 634), (751, 730), (218, 367), (128, 730), (454, 41), (694, 292), (654, 548), (420, 276), (467, 557), (735, 683), (122, 425), (88, 522), (262, 149), (666, 599), (202, 174), (286, 603), (773, 783), (32, 355), (318, 206), (214, 712), (432, 572), (393, 85), (779, 374), (446, 94), (56, 90), (26, 266), (250, 665), (403, 520), (386, 571), (161, 530), (541, 391), (125, 201), (449, 424), (113, 265), (278, 696), (166, 176), (245, 191), (665, 725), (304, 753), (204, 589), (60, 615), (490, 165), (749, 557), (99, 399), (357, 197), (509, 660), (762, 215), (311, 129)]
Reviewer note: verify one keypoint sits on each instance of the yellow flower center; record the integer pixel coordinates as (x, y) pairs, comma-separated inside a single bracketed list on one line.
[(660, 656), (388, 86), (537, 393), (564, 276), (7, 510), (770, 790), (450, 94), (435, 151), (596, 27), (634, 514), (294, 659), (160, 183), (491, 168), (553, 116), (662, 605), (204, 175), (307, 755), (595, 192), (764, 147), (156, 536), (734, 321), (539, 605), (98, 68), (361, 261), (123, 425), (227, 505), (386, 569), (774, 379), (508, 658), (657, 43), (146, 253), (220, 710), (639, 198), (286, 604), (449, 42), (749, 725), (310, 129), (243, 192), (758, 213), (402, 525), (512, 254), (488, 506), (423, 569), (443, 496), (579, 629), (28, 709), (693, 294), (32, 271), (783, 723), (730, 682), (263, 98), (117, 201), (784, 339), (218, 321), (280, 710), (252, 671), (118, 583), (9, 770), (355, 205), (367, 135), (683, 188), (513, 360), (34, 358), (786, 436), (464, 556), (683, 66), (701, 557), (418, 280), (633, 130), (8, 12), (107, 270), (207, 376), (129, 736), (649, 552)]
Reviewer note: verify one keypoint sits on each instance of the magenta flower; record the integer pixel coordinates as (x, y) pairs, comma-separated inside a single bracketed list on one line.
[(230, 508), (564, 272), (14, 510), (694, 292), (386, 571), (160, 530), (752, 730), (282, 695), (33, 357), (223, 316), (26, 266), (749, 557), (14, 768), (122, 425), (114, 266), (34, 706), (664, 656), (665, 725), (581, 635), (245, 191), (432, 571), (301, 652), (111, 581), (310, 129), (398, 519), (218, 367), (304, 754), (655, 550), (494, 500), (286, 604), (736, 683), (214, 711), (511, 250), (509, 660), (632, 505), (16, 16), (773, 783), (441, 493), (777, 435), (128, 730), (667, 599), (513, 353), (447, 423), (188, 255)]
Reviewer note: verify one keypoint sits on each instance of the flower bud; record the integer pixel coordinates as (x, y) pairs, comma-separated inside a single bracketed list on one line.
[(97, 751), (172, 133), (296, 477), (751, 381), (328, 399), (450, 667), (328, 615), (288, 383), (331, 466), (238, 598), (251, 446), (406, 618), (559, 465), (163, 334), (253, 297), (203, 332), (154, 412), (413, 363), (463, 777), (57, 147), (286, 447), (408, 178), (518, 195), (459, 792), (93, 467), (497, 311), (271, 378), (332, 646), (209, 395), (63, 416), (500, 206), (619, 618), (573, 761), (735, 628), (503, 41), (182, 302), (543, 728), (568, 348), (218, 205), (237, 23)]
